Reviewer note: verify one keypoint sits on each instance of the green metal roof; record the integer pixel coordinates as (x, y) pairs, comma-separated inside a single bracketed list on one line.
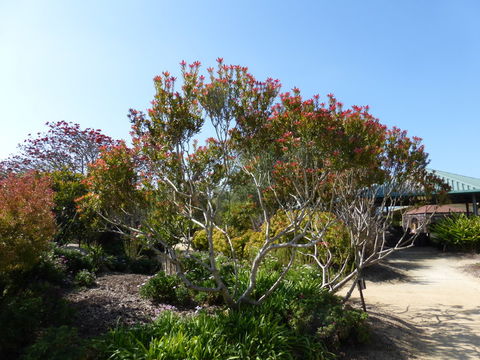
[(458, 183)]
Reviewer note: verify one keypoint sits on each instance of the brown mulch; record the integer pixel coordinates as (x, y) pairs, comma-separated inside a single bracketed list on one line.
[(115, 300)]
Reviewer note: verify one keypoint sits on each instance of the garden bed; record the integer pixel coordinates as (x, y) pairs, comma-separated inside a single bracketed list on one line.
[(115, 300)]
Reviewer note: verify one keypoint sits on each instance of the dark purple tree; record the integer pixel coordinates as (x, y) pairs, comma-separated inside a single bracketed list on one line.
[(64, 146)]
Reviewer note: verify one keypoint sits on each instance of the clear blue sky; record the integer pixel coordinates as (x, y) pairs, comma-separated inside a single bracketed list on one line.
[(416, 63)]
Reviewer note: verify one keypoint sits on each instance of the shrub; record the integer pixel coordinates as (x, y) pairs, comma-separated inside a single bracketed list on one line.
[(116, 263), (112, 243), (50, 269), (171, 289), (309, 309), (184, 296), (200, 275), (95, 256), (200, 241), (27, 223), (72, 225), (57, 343), (144, 265), (19, 316), (85, 278), (458, 232), (340, 324), (192, 268), (241, 214), (160, 288), (245, 243), (25, 313), (74, 260)]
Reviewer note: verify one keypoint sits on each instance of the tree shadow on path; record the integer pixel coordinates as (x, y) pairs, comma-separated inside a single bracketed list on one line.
[(439, 334), (436, 318)]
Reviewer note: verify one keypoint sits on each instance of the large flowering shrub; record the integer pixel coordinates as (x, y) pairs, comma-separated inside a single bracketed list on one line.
[(287, 157)]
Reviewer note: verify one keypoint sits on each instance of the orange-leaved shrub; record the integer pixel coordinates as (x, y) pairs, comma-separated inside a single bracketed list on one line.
[(27, 223)]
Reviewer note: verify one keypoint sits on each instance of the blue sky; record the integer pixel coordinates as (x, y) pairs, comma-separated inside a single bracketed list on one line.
[(415, 62)]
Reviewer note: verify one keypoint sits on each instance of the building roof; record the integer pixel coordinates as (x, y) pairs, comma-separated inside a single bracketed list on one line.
[(437, 209), (464, 189), (458, 183)]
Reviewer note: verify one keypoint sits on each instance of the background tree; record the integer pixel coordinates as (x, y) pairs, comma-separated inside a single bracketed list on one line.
[(291, 156), (64, 152), (63, 147)]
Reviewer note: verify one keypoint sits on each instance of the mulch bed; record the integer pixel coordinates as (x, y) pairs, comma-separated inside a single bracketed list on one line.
[(114, 301)]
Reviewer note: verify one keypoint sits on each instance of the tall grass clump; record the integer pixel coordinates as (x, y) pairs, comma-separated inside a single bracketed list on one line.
[(458, 233), (226, 335)]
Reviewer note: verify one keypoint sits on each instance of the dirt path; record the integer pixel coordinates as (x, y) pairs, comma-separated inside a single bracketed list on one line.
[(424, 305)]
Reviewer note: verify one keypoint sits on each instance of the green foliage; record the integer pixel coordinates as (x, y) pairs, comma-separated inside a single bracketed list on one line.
[(240, 214), (27, 311), (200, 241), (246, 242), (160, 288), (116, 263), (172, 290), (239, 240), (50, 269), (27, 223), (144, 265), (72, 225), (111, 243), (229, 335), (458, 232), (113, 178), (253, 240), (300, 303), (163, 218), (57, 343), (74, 260), (308, 309), (193, 269), (340, 324), (84, 278), (298, 322), (95, 256), (134, 245)]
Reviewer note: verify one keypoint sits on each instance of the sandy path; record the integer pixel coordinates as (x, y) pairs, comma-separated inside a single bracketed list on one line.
[(427, 305)]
